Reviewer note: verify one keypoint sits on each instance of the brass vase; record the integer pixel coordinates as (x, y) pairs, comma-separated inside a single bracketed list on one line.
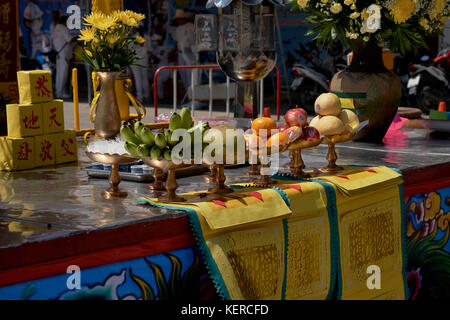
[(375, 91), (107, 116)]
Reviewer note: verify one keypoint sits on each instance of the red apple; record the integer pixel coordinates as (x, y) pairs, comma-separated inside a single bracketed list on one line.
[(296, 117), (294, 133), (311, 133)]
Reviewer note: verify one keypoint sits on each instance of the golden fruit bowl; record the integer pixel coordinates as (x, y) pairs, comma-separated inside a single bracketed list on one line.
[(296, 149), (331, 155), (171, 182), (114, 178)]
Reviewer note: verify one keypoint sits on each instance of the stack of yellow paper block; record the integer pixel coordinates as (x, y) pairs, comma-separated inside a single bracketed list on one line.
[(36, 135)]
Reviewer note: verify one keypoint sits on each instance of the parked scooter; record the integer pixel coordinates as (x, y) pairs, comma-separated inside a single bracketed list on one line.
[(428, 85), (401, 68)]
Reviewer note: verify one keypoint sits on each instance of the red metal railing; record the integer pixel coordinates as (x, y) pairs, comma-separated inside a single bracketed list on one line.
[(211, 66)]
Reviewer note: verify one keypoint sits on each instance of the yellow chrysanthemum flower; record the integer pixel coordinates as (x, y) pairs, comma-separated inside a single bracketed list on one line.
[(134, 15), (87, 35), (100, 21), (336, 8), (437, 6), (365, 15), (302, 3), (140, 39), (354, 15), (402, 10), (424, 23), (348, 2), (351, 35), (125, 18), (112, 39)]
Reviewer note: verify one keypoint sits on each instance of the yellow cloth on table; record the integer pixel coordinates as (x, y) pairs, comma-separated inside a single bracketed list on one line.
[(295, 240), (369, 221), (245, 237), (370, 232), (309, 255), (308, 258), (356, 180)]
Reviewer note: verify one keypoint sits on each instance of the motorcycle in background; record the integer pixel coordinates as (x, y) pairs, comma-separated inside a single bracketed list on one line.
[(429, 84)]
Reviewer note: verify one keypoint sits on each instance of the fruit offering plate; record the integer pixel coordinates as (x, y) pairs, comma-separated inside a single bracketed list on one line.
[(305, 144), (114, 179), (171, 182), (107, 158), (340, 138)]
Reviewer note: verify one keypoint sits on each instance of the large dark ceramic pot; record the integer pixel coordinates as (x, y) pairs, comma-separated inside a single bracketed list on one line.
[(376, 92)]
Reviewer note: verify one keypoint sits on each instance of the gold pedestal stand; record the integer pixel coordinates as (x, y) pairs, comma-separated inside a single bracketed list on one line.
[(212, 177), (158, 185), (263, 155), (331, 141), (171, 182), (114, 178), (219, 187), (298, 165), (290, 164)]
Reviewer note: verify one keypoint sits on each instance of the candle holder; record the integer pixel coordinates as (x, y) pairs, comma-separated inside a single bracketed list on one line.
[(171, 182), (331, 155), (114, 178), (297, 161)]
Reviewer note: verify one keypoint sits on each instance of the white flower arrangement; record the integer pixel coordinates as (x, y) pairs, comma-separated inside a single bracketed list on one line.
[(401, 25)]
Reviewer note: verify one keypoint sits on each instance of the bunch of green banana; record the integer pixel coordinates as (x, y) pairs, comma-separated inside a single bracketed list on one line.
[(186, 119), (143, 143), (139, 142)]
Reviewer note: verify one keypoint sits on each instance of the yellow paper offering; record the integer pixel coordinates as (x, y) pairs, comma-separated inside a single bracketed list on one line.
[(24, 120), (35, 86), (45, 154), (16, 153), (66, 146), (53, 116)]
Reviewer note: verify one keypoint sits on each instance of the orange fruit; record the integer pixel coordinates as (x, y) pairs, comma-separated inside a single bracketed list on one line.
[(283, 139), (264, 123)]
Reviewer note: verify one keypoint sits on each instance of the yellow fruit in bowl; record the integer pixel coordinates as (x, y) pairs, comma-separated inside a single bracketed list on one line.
[(330, 126), (327, 104), (283, 140), (314, 121), (349, 119)]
